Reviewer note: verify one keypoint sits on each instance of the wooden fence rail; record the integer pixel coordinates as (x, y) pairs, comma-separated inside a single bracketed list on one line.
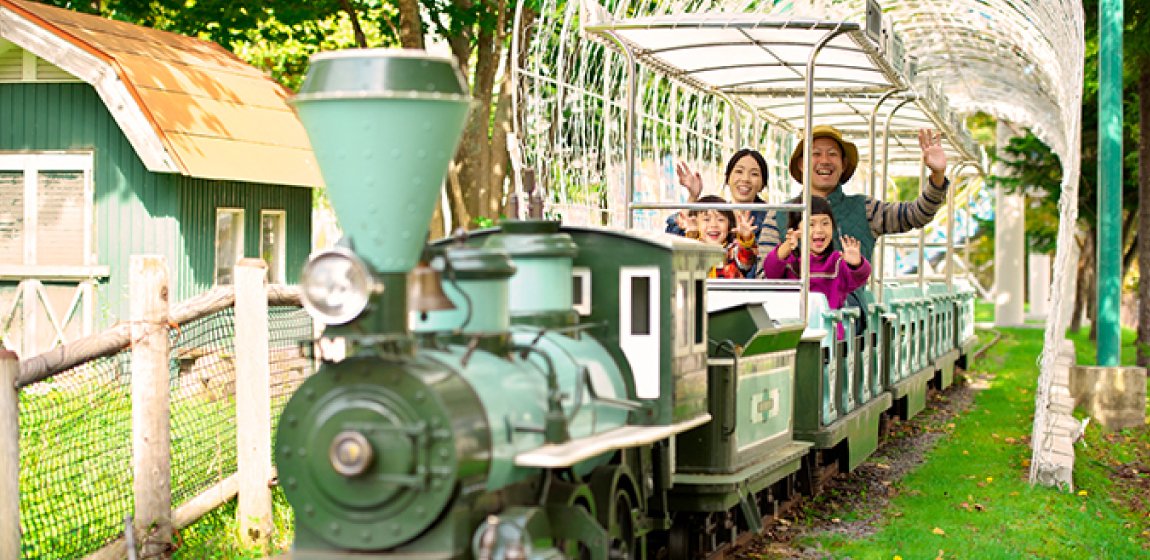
[(67, 356), (147, 335)]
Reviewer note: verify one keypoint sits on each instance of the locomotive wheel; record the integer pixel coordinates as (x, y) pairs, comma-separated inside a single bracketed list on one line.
[(624, 543), (576, 549), (681, 541)]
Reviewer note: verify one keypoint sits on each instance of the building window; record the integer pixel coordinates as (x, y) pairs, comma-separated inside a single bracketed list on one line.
[(640, 305), (47, 249), (229, 243), (682, 314), (46, 210), (273, 240)]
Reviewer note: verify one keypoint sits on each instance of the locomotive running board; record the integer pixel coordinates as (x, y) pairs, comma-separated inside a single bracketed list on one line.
[(563, 455)]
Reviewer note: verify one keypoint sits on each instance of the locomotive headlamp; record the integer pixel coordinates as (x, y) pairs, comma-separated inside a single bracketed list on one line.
[(335, 286), (350, 453)]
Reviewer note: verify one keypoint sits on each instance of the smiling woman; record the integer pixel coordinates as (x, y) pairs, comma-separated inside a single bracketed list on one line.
[(745, 175)]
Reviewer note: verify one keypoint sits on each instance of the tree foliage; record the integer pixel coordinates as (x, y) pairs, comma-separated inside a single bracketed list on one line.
[(1036, 172), (279, 37)]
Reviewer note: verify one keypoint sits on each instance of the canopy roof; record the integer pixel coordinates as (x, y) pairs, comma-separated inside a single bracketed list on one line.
[(187, 106), (760, 62)]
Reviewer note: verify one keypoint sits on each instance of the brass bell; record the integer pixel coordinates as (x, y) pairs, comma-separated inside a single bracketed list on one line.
[(425, 292)]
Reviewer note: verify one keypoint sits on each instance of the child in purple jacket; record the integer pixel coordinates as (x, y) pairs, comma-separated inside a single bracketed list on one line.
[(834, 274)]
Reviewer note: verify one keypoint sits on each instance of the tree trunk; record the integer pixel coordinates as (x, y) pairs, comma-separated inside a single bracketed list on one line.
[(1082, 293), (460, 42), (499, 157), (1129, 240), (411, 37), (410, 25), (1143, 340), (481, 160), (360, 38), (533, 193), (1131, 252)]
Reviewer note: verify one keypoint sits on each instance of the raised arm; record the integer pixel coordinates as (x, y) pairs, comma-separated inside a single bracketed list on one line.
[(693, 182), (901, 217), (777, 259)]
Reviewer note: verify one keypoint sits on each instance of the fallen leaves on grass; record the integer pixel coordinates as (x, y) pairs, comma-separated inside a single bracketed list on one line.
[(972, 507)]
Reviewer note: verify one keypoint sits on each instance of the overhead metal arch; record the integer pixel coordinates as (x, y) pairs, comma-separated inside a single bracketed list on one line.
[(1018, 60)]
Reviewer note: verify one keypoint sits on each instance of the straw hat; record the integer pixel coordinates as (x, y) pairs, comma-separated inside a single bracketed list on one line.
[(850, 153)]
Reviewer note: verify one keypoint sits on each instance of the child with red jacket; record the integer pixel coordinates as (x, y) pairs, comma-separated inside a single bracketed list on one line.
[(734, 230)]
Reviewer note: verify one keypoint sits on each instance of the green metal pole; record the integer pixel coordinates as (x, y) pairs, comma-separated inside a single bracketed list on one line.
[(1109, 180)]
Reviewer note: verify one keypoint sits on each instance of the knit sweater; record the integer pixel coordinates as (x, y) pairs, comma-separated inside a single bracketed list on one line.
[(882, 217), (830, 275)]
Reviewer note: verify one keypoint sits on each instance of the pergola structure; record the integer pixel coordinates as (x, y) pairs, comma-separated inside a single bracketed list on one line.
[(613, 93)]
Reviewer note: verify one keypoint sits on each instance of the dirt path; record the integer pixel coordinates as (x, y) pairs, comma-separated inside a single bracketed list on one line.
[(868, 490)]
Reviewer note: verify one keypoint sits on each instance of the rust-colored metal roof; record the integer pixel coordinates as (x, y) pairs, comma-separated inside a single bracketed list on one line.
[(216, 116)]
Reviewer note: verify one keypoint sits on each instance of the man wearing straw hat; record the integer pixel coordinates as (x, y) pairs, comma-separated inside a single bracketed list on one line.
[(860, 216)]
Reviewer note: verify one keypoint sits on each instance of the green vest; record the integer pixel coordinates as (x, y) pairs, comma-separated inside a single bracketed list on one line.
[(851, 218)]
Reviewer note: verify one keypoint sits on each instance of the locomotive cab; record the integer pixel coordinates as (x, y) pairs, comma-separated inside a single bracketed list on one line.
[(648, 290)]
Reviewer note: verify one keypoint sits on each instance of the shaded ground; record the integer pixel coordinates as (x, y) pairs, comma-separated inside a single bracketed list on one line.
[(851, 504)]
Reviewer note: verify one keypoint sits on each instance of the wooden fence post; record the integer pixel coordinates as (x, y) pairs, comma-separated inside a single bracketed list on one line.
[(151, 412), (9, 456), (253, 404)]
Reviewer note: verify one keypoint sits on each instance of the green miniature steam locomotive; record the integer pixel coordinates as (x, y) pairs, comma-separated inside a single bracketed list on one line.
[(541, 391)]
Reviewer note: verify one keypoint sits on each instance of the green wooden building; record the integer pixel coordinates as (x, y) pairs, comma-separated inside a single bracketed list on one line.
[(118, 140)]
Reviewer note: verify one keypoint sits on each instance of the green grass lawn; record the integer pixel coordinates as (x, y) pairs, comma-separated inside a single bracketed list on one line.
[(972, 499), (215, 535), (75, 477), (983, 311)]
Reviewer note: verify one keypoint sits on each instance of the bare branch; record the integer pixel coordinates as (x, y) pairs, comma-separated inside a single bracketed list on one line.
[(360, 38)]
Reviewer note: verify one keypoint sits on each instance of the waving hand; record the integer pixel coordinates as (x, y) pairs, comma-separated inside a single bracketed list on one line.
[(851, 252), (690, 180), (933, 154), (744, 227)]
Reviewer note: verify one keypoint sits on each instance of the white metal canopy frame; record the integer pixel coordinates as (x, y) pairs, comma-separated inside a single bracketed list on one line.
[(762, 63), (1021, 61), (611, 94), (759, 64), (765, 63)]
